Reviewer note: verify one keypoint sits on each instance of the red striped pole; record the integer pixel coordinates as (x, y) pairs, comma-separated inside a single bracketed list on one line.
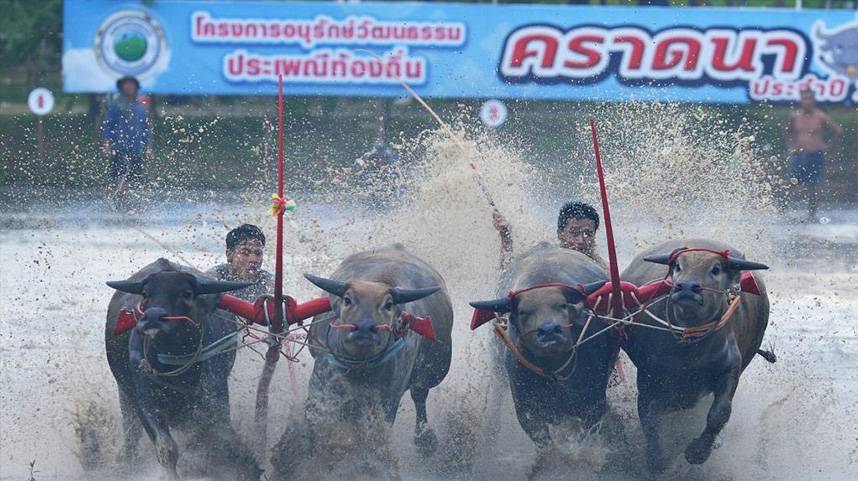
[(277, 324), (616, 302)]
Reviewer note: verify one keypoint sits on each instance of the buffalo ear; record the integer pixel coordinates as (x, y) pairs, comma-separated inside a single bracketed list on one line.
[(748, 284), (331, 286), (207, 286), (743, 265), (404, 296), (502, 305), (130, 287)]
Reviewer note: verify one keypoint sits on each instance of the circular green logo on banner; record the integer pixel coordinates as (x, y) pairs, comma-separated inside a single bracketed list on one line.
[(131, 46), (130, 42)]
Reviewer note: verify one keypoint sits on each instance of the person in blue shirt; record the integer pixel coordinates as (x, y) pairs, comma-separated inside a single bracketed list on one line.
[(126, 136)]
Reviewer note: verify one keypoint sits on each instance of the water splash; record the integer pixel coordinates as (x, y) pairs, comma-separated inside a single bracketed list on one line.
[(673, 171)]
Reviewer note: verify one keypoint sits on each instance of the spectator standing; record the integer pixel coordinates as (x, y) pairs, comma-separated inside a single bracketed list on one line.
[(126, 137), (809, 134)]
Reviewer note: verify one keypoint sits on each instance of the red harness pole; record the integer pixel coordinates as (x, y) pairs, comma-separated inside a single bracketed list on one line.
[(276, 327), (616, 301), (277, 322)]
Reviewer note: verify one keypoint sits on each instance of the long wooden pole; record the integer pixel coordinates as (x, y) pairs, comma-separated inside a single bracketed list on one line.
[(477, 176), (616, 300)]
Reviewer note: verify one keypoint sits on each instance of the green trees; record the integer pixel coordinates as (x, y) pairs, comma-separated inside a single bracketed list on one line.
[(30, 43)]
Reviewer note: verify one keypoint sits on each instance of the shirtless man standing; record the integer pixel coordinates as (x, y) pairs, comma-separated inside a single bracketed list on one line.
[(805, 134)]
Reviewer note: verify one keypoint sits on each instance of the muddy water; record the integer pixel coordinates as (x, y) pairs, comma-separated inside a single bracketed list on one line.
[(791, 420)]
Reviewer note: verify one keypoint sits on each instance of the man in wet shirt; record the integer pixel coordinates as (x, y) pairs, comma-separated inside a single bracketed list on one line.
[(245, 247), (577, 224), (809, 134)]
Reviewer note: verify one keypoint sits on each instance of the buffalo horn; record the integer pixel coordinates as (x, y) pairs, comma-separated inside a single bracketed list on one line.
[(404, 296), (131, 287), (208, 286), (337, 288), (575, 296), (659, 259), (501, 305), (743, 265)]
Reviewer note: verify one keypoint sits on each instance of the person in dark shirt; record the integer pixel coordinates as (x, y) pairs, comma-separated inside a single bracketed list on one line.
[(577, 224), (245, 246), (126, 137)]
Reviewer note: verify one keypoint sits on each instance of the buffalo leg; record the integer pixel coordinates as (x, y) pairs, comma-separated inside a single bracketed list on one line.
[(389, 463), (225, 449), (530, 417), (390, 406), (132, 430), (535, 429), (165, 447), (650, 426), (530, 414), (424, 436), (224, 440), (699, 450), (292, 450), (544, 456)]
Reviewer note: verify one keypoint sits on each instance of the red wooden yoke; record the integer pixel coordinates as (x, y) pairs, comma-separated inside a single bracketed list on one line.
[(255, 311), (252, 311)]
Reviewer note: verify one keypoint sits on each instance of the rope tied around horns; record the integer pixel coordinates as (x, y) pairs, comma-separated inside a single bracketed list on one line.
[(228, 343), (616, 325), (697, 333)]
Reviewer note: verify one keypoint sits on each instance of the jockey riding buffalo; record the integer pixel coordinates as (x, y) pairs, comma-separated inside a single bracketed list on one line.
[(368, 353), (717, 317), (552, 381), (171, 357)]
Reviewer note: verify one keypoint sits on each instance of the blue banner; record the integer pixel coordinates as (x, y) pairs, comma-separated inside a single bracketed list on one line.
[(725, 55)]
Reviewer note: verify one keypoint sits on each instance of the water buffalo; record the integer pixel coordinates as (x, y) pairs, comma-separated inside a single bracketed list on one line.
[(553, 383), (709, 351), (169, 372), (367, 356)]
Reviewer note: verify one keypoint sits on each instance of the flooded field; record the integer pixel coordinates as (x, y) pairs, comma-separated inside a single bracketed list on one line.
[(794, 420)]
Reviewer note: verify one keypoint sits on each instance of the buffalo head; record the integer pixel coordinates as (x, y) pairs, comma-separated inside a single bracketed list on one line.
[(173, 294), (700, 279), (366, 314), (839, 49), (548, 320)]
